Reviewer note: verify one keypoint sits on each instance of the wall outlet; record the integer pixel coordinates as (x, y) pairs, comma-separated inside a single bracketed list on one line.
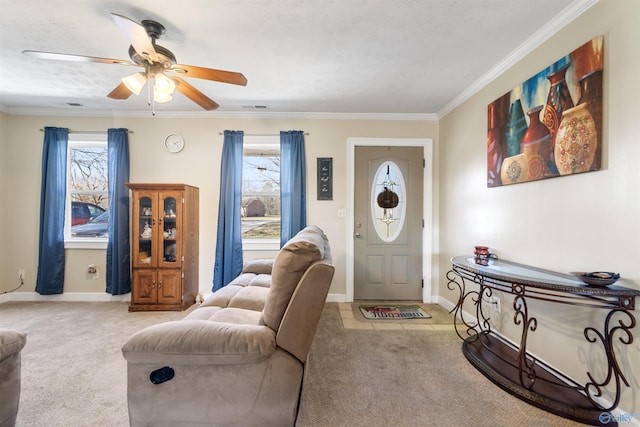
[(496, 304), (21, 275), (493, 304), (92, 270)]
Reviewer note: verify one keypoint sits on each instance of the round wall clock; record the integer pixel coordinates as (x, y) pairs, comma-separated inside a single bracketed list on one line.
[(174, 143)]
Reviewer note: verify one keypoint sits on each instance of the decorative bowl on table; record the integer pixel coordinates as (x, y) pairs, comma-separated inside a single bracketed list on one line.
[(598, 278)]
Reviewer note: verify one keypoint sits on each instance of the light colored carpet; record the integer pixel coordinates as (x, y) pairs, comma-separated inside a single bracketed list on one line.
[(73, 373)]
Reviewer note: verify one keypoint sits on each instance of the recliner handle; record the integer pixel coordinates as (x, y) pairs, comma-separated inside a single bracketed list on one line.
[(162, 375)]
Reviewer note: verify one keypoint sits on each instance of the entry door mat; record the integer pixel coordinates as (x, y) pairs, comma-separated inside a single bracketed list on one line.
[(393, 311)]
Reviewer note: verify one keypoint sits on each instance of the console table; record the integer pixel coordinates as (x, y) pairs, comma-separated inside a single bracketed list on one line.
[(511, 366)]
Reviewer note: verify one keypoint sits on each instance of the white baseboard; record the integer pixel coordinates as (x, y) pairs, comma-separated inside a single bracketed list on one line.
[(337, 298), (68, 296)]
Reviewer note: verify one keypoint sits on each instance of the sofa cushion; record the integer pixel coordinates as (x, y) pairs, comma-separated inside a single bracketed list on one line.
[(258, 266), (203, 313), (290, 264), (250, 298), (263, 280), (238, 316), (222, 296)]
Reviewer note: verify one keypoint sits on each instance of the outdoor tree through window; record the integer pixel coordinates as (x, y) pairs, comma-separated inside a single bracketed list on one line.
[(261, 192), (87, 187)]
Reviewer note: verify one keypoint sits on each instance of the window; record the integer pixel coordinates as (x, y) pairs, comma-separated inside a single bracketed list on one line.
[(261, 193), (87, 219)]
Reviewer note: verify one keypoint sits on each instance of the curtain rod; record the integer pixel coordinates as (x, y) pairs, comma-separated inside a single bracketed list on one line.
[(88, 131), (261, 134)]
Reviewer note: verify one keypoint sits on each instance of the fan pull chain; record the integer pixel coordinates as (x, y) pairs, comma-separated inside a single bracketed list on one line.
[(151, 100)]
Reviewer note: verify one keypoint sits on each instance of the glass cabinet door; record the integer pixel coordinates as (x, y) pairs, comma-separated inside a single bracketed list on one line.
[(145, 224), (170, 213)]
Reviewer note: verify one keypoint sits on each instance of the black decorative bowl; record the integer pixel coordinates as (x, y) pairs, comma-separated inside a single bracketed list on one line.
[(598, 278)]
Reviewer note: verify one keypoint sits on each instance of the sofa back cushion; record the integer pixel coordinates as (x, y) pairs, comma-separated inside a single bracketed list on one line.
[(290, 264)]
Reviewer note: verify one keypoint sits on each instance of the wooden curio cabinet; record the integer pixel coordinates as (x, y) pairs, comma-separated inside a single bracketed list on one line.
[(164, 246)]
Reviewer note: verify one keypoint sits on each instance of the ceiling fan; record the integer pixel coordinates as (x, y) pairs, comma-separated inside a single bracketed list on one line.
[(158, 62)]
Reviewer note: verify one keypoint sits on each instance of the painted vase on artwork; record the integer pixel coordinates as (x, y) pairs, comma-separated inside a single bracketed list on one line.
[(516, 127), (536, 145), (591, 94), (576, 141), (558, 100), (496, 143), (514, 169)]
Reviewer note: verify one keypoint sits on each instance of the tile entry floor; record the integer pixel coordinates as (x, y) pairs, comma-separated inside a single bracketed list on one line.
[(352, 318)]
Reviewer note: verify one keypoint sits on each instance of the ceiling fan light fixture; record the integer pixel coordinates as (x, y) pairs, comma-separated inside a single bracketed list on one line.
[(135, 82), (164, 84), (163, 88), (159, 96)]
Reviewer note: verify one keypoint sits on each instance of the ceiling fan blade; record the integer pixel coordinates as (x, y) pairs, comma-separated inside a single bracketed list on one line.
[(138, 37), (120, 92), (194, 94), (210, 74), (74, 58)]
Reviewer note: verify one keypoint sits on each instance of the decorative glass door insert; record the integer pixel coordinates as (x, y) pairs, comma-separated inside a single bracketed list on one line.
[(388, 201)]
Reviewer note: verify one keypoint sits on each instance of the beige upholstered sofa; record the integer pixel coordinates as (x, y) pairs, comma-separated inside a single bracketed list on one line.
[(239, 358), (11, 344)]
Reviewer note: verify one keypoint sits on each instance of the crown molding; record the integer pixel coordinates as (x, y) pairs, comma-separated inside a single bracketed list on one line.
[(561, 20), (146, 114)]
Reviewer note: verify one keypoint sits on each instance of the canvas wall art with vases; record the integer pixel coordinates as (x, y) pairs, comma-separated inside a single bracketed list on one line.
[(551, 124)]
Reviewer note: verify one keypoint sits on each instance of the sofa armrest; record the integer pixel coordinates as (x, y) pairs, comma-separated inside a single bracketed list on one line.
[(11, 342), (258, 266), (201, 342)]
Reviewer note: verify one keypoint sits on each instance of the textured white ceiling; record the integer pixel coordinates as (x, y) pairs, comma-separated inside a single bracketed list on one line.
[(299, 56)]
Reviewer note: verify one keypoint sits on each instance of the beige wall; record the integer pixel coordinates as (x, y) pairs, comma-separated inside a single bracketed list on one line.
[(5, 281), (583, 222), (198, 165)]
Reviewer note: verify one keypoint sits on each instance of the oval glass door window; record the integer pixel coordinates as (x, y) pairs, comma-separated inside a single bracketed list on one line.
[(388, 201)]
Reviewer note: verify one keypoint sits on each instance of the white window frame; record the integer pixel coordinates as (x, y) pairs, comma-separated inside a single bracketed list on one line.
[(98, 139), (266, 142)]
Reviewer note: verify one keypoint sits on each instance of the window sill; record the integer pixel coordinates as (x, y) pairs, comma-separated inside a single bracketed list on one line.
[(86, 244), (260, 245)]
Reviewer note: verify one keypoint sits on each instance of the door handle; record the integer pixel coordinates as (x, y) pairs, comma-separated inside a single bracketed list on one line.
[(357, 235)]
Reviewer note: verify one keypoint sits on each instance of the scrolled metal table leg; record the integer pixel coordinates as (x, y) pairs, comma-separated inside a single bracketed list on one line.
[(481, 324), (526, 364), (593, 388)]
